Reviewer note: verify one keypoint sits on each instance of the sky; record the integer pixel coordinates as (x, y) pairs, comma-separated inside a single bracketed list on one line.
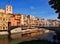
[(37, 8)]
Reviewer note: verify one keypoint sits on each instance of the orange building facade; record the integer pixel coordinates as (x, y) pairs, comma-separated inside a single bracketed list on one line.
[(3, 21), (15, 20)]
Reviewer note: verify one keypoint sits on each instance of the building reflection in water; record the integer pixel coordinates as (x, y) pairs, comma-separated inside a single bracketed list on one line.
[(4, 40), (19, 37)]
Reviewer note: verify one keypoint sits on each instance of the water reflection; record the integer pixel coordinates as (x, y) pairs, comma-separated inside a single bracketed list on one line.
[(4, 40), (19, 37)]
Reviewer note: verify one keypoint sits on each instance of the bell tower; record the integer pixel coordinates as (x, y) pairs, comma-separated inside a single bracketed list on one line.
[(8, 9)]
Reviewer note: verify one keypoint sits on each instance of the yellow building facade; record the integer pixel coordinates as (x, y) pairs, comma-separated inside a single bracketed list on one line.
[(3, 21)]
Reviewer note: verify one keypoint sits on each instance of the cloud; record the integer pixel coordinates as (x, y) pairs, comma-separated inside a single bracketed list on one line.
[(32, 7)]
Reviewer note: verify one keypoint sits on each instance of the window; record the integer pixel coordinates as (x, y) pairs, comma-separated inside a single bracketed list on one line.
[(6, 27), (3, 19), (0, 27), (10, 8), (3, 27), (2, 14), (6, 19), (7, 9), (0, 18), (18, 23)]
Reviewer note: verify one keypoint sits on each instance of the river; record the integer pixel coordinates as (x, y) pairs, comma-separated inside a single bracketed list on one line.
[(19, 37)]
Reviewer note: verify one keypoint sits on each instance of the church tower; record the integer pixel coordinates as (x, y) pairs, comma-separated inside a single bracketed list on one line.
[(8, 9)]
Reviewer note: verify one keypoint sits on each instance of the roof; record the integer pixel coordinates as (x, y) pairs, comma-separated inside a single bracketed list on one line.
[(2, 8)]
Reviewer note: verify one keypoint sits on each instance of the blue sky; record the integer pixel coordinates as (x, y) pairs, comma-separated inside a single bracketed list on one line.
[(37, 8)]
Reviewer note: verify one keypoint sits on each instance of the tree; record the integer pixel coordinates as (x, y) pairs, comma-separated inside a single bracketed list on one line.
[(55, 4)]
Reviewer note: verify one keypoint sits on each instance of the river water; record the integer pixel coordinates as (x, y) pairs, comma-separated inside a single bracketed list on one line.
[(19, 37)]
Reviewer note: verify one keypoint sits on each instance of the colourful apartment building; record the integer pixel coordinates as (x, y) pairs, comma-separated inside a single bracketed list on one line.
[(36, 21), (16, 20), (3, 21), (25, 20), (4, 17), (31, 20), (2, 10), (53, 23), (42, 22)]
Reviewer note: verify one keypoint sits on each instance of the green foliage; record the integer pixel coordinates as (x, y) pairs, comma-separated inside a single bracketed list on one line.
[(55, 4)]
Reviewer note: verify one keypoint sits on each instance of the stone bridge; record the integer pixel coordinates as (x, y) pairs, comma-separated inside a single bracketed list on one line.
[(56, 29)]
